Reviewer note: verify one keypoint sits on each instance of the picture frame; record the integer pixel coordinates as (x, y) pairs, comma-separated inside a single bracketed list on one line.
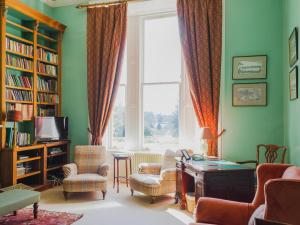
[(249, 67), (185, 154), (293, 81), (293, 47), (249, 94)]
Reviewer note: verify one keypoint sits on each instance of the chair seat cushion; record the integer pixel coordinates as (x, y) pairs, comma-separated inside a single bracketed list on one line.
[(146, 179), (258, 213), (84, 183), (17, 199)]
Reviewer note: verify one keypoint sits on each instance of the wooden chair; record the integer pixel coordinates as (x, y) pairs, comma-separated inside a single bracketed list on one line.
[(271, 153)]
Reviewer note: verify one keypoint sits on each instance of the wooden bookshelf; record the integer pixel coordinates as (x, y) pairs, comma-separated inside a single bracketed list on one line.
[(32, 30)]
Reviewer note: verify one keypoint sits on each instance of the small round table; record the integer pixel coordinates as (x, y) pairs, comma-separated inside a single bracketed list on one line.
[(117, 158)]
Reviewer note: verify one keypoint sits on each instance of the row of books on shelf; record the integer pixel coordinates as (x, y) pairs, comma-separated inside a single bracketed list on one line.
[(46, 69), (48, 98), (46, 112), (18, 81), (23, 139), (25, 109), (47, 85), (47, 56), (18, 95), (19, 62), (24, 168), (19, 47)]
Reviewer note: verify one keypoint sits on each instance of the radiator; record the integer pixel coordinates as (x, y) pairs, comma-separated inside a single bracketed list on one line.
[(144, 157)]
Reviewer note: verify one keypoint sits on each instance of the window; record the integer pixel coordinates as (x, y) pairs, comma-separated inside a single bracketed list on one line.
[(161, 83), (118, 133)]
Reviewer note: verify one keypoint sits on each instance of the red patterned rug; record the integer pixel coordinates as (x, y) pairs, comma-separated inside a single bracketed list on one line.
[(25, 217)]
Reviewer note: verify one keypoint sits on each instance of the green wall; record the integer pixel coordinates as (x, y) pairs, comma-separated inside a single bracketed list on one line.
[(253, 27), (291, 10), (38, 5)]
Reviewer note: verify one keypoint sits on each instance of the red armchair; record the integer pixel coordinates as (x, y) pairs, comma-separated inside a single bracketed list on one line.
[(281, 196)]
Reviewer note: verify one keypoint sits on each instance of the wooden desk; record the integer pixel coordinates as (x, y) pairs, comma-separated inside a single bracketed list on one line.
[(217, 179)]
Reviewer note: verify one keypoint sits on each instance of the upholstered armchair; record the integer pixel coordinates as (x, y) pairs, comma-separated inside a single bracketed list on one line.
[(89, 171), (155, 179), (277, 198)]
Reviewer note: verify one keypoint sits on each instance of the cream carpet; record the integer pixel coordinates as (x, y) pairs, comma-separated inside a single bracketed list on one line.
[(116, 209)]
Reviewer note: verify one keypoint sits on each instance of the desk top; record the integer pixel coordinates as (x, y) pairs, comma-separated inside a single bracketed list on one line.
[(215, 165)]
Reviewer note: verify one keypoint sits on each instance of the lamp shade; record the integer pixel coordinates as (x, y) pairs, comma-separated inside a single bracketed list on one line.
[(205, 133), (14, 116)]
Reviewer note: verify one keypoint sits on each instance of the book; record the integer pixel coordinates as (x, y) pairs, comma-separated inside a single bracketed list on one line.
[(47, 56), (16, 46), (19, 62)]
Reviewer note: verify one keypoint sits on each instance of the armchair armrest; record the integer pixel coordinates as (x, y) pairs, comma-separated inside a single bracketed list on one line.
[(168, 174), (103, 169), (150, 168), (70, 170), (283, 200), (218, 211)]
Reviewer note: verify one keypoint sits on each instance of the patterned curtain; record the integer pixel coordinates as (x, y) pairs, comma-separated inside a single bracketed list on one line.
[(106, 36), (200, 25)]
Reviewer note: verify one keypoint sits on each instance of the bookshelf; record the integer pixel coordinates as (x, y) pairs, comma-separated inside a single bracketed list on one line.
[(30, 80)]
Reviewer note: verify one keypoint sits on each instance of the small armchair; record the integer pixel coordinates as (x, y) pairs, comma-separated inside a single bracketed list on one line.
[(88, 173), (155, 179), (277, 198)]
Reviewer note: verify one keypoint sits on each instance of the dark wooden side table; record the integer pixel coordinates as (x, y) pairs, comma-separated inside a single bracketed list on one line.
[(117, 158)]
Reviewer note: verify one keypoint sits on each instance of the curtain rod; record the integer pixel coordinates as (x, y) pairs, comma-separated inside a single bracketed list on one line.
[(93, 5)]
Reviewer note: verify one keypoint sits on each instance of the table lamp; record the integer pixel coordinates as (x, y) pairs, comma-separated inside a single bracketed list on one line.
[(206, 135), (14, 116)]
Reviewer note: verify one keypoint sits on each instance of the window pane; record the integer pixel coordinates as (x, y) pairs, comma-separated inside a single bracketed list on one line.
[(162, 59), (161, 116), (118, 123)]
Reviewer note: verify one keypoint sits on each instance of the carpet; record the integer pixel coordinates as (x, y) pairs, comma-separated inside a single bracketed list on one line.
[(25, 217)]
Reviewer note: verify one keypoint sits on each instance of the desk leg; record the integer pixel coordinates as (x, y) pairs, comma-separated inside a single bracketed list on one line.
[(126, 162), (114, 173), (183, 190), (118, 176)]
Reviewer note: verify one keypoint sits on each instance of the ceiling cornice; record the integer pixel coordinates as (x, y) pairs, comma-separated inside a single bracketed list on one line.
[(60, 3)]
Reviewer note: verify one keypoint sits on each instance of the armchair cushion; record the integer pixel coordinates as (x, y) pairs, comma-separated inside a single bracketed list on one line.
[(168, 174), (103, 169), (146, 179), (84, 183), (70, 170), (149, 168), (258, 213)]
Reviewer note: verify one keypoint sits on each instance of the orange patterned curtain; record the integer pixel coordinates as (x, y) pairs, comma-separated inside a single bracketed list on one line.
[(200, 25), (106, 36)]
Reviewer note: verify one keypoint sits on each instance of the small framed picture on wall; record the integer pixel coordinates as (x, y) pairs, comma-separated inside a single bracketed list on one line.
[(293, 47), (249, 94), (249, 67), (294, 83)]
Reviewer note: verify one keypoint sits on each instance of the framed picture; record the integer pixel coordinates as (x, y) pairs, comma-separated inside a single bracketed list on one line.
[(294, 83), (185, 154), (293, 47), (250, 94), (249, 67)]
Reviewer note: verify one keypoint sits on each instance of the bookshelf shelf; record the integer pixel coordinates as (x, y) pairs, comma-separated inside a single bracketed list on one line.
[(18, 101), (47, 62), (18, 26), (19, 54), (47, 48), (29, 159), (19, 88), (19, 38), (29, 38), (54, 167), (47, 37), (56, 155), (19, 69), (29, 174), (47, 75)]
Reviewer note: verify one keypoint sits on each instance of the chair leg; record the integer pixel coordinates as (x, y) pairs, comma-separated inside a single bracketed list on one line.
[(152, 199), (35, 210), (104, 194), (66, 195), (132, 191)]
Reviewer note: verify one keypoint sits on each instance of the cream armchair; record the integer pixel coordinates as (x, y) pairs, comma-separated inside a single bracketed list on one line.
[(155, 179), (89, 171)]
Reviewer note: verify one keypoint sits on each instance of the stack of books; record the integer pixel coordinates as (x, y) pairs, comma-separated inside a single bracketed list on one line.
[(9, 137), (46, 69), (23, 139), (26, 109), (15, 46), (47, 85), (46, 112), (47, 56), (18, 95), (48, 98), (18, 81), (18, 62)]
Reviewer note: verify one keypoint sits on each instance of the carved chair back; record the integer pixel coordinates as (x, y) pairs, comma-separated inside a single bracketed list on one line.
[(271, 153)]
